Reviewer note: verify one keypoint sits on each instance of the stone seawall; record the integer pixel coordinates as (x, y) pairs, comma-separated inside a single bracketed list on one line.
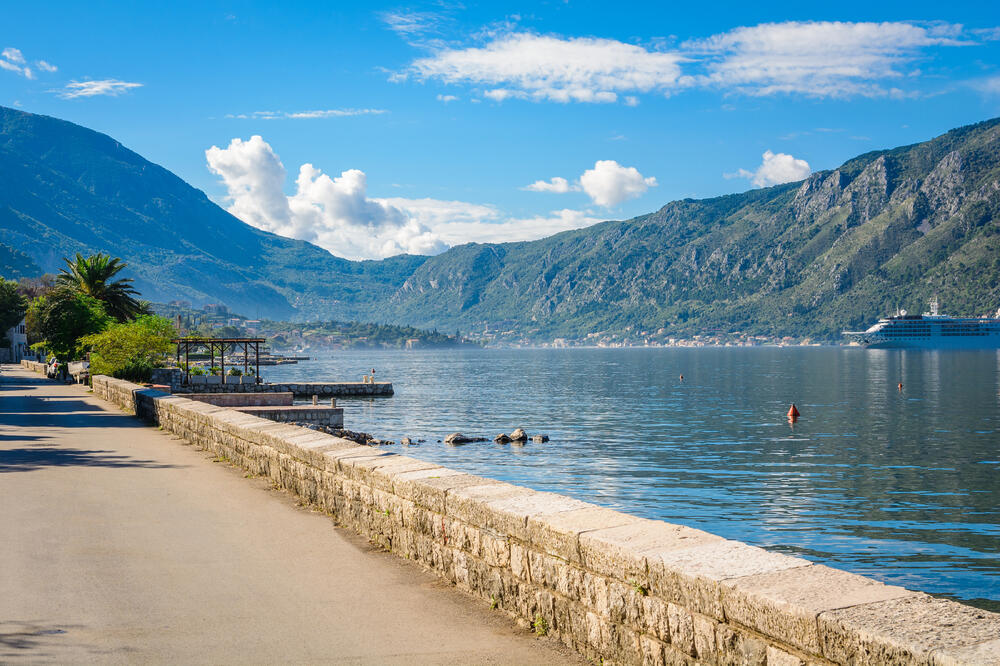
[(304, 389), (258, 399), (612, 586)]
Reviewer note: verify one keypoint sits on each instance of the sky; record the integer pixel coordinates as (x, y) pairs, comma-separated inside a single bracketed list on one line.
[(376, 129)]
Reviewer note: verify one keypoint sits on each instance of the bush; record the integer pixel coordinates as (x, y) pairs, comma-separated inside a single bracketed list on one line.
[(197, 371), (133, 348), (138, 371), (235, 372)]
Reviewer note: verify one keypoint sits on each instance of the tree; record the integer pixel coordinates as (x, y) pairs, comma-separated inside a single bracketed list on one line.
[(93, 275), (58, 321), (12, 307), (131, 350)]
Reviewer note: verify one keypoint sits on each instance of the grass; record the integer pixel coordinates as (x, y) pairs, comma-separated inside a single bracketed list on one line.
[(540, 625), (639, 589), (493, 602)]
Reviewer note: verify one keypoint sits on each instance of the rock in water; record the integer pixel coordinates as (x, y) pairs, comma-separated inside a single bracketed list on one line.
[(456, 438), (519, 435), (502, 439), (405, 441), (540, 438)]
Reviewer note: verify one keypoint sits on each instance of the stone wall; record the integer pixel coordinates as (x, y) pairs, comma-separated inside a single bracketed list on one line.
[(307, 389), (242, 399), (34, 366), (612, 586), (322, 415)]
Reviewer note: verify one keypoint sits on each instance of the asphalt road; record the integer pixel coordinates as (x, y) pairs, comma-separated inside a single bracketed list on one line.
[(120, 543)]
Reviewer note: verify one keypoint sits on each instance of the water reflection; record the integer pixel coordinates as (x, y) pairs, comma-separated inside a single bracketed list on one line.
[(900, 485)]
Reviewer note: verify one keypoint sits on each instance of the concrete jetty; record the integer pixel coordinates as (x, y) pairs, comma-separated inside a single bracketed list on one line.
[(121, 543), (613, 587)]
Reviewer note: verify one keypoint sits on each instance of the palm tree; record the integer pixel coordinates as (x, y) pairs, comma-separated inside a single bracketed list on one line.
[(92, 276)]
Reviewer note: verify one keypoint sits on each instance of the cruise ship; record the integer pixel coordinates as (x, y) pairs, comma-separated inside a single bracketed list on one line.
[(930, 331)]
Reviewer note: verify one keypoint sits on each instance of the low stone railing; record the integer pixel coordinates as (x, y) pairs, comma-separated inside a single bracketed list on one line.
[(614, 587), (34, 366)]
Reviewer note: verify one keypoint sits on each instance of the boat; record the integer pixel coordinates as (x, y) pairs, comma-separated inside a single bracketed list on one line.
[(930, 330)]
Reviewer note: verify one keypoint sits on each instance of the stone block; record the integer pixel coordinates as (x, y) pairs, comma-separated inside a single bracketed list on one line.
[(785, 604), (558, 533), (416, 486), (904, 631), (511, 514), (681, 624), (778, 657), (471, 503), (692, 575), (980, 654), (619, 552)]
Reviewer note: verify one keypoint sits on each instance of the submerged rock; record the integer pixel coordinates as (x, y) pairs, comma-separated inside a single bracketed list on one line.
[(540, 438), (519, 435), (502, 439), (406, 441), (456, 438)]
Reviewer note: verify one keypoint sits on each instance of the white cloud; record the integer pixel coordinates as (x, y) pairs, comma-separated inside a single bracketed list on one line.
[(337, 214), (511, 230), (447, 98), (13, 55), (609, 183), (13, 60), (558, 185), (110, 87), (46, 66), (537, 67), (305, 115), (334, 213), (776, 168), (989, 86), (816, 58), (813, 58)]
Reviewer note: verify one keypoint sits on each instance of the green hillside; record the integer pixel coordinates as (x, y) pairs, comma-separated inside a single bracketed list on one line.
[(887, 229), (69, 189)]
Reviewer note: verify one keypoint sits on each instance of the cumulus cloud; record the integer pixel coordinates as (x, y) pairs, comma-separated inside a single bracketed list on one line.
[(109, 87), (447, 98), (776, 168), (46, 66), (609, 183), (305, 115), (334, 213), (337, 213), (816, 58), (538, 67), (558, 185)]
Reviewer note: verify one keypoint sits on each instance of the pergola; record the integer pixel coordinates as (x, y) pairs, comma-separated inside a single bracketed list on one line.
[(222, 344)]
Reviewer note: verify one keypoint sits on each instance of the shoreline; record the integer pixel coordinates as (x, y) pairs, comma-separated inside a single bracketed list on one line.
[(522, 550)]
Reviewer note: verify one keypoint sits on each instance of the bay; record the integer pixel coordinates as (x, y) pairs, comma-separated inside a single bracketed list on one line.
[(900, 485)]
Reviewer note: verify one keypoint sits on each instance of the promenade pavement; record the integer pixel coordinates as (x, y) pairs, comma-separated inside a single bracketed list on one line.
[(120, 543)]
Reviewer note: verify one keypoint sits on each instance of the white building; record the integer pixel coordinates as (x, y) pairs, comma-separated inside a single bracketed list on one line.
[(18, 344)]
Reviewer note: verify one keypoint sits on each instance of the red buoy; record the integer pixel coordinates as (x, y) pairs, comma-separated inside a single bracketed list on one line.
[(793, 412), (900, 386)]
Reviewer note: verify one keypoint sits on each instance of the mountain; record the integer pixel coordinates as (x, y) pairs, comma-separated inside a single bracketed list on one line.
[(68, 189), (887, 229)]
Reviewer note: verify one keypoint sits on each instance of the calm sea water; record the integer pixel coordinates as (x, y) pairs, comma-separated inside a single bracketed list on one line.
[(903, 486)]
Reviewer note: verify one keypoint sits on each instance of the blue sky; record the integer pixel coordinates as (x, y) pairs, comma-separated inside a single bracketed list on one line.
[(431, 124)]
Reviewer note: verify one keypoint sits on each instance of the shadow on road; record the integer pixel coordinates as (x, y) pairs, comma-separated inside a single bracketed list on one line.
[(30, 459)]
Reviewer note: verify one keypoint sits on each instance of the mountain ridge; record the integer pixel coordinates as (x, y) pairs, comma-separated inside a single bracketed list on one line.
[(886, 229)]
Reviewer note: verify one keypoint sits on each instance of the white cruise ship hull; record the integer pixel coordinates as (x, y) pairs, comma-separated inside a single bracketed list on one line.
[(930, 331)]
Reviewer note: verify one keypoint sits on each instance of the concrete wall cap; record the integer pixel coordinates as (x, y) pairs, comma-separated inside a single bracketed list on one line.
[(785, 604), (905, 630)]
